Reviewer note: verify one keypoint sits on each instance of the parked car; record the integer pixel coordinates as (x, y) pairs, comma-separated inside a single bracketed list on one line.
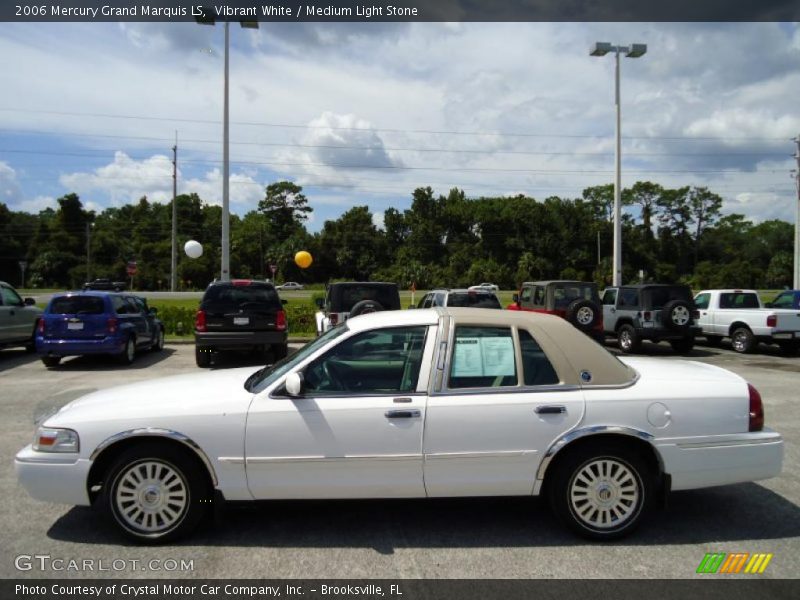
[(576, 301), (655, 312), (739, 315), (786, 299), (18, 318), (490, 287), (290, 285), (479, 298), (103, 284), (404, 404), (241, 314), (352, 298), (79, 323)]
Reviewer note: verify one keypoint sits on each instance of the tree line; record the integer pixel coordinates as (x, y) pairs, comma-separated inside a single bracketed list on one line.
[(669, 235)]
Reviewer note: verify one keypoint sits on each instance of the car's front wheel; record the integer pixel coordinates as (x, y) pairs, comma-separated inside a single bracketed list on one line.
[(158, 342), (156, 493), (601, 491)]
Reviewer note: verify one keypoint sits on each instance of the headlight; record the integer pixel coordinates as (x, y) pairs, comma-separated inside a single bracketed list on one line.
[(48, 439)]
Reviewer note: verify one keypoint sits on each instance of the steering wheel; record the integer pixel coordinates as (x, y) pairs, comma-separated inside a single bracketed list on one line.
[(333, 377)]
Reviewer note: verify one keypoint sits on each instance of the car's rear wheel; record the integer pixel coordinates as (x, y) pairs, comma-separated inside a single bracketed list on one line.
[(583, 314), (743, 340), (683, 346), (128, 353), (601, 491), (158, 343), (364, 307), (51, 361), (202, 356), (628, 339), (156, 493), (677, 314)]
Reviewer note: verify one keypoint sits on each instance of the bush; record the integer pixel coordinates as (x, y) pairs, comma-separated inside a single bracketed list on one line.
[(301, 318), (178, 320)]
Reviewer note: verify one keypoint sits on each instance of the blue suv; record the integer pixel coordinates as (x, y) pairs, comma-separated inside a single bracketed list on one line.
[(77, 323)]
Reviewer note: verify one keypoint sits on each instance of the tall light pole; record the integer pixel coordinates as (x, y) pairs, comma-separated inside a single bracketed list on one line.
[(208, 19), (796, 281), (632, 51), (173, 273)]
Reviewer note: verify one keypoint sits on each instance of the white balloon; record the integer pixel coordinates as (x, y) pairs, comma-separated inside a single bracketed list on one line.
[(193, 249)]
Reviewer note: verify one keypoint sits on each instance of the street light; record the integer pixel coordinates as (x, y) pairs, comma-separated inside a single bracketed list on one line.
[(632, 51), (208, 18)]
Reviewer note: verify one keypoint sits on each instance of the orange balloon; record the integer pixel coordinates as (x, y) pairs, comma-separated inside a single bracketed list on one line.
[(303, 259)]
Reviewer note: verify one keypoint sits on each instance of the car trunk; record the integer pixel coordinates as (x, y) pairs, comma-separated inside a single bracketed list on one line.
[(76, 317)]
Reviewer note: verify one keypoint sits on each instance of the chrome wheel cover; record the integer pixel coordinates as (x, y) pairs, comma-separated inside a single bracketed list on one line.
[(151, 497), (625, 341), (604, 493), (680, 316), (739, 341), (130, 350), (584, 315)]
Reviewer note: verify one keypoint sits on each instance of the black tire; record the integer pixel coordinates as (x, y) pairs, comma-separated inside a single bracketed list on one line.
[(168, 501), (51, 361), (280, 351), (611, 476), (713, 340), (202, 356), (583, 314), (743, 341), (364, 307), (30, 345), (128, 354), (789, 348), (677, 315), (683, 346), (627, 339), (158, 343)]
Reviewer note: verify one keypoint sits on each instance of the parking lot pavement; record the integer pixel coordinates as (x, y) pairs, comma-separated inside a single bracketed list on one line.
[(478, 538)]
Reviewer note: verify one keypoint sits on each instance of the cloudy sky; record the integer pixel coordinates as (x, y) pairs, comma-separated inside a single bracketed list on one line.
[(361, 114)]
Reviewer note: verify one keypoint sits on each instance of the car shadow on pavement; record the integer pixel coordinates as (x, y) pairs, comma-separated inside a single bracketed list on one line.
[(14, 357), (144, 359), (731, 513)]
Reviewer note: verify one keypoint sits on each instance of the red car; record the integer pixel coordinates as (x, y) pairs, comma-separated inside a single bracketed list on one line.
[(576, 301)]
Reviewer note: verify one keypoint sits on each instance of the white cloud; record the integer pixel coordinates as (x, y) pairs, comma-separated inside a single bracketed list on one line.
[(10, 192), (377, 218)]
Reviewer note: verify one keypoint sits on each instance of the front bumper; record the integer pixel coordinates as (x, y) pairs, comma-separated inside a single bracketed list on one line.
[(232, 340), (53, 477), (721, 460)]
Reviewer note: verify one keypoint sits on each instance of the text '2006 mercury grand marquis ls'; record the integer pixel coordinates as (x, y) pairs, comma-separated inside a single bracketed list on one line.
[(403, 404)]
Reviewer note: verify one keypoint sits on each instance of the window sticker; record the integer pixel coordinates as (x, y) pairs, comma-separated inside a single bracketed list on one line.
[(484, 357)]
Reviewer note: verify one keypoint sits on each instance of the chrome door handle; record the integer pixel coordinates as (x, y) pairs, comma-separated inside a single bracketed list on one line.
[(550, 410), (401, 400), (402, 414)]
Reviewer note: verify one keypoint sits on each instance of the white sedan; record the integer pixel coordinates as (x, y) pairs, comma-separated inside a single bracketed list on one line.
[(489, 287), (289, 286), (407, 404)]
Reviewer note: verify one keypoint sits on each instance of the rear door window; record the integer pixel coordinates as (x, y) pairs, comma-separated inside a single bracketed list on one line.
[(536, 367), (482, 357)]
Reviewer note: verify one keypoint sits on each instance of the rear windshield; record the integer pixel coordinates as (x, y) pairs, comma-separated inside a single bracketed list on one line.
[(342, 298), (738, 300), (659, 296), (565, 295), (473, 300), (237, 296), (77, 305)]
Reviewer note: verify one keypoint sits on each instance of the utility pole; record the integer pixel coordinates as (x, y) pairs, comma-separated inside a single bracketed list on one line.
[(174, 260), (796, 282), (88, 251)]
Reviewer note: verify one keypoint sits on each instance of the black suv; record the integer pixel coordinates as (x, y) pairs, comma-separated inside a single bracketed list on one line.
[(465, 298), (650, 312), (352, 298), (240, 315)]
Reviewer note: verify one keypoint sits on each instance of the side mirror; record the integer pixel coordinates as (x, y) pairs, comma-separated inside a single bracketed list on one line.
[(284, 302), (515, 298), (29, 302), (153, 311), (320, 303), (294, 384)]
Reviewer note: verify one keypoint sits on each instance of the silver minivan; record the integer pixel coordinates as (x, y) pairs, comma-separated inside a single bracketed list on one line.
[(18, 318)]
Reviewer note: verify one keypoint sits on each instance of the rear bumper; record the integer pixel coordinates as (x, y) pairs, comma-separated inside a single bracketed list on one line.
[(721, 460), (661, 333), (53, 477), (66, 347), (232, 340)]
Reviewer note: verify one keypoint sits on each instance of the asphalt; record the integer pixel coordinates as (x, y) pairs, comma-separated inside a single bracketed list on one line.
[(477, 538)]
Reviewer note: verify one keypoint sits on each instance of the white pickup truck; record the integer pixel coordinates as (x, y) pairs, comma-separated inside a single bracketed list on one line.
[(740, 315)]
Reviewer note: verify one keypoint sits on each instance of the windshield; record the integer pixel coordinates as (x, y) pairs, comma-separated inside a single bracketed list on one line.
[(223, 296), (567, 294), (77, 305), (473, 300), (262, 379), (660, 296)]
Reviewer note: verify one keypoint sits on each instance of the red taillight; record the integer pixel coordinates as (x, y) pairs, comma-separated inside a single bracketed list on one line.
[(280, 320), (40, 326), (647, 315), (111, 325), (200, 320), (756, 410), (239, 282), (772, 321)]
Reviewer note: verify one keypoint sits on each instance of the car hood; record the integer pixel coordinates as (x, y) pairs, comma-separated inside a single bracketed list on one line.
[(214, 392)]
